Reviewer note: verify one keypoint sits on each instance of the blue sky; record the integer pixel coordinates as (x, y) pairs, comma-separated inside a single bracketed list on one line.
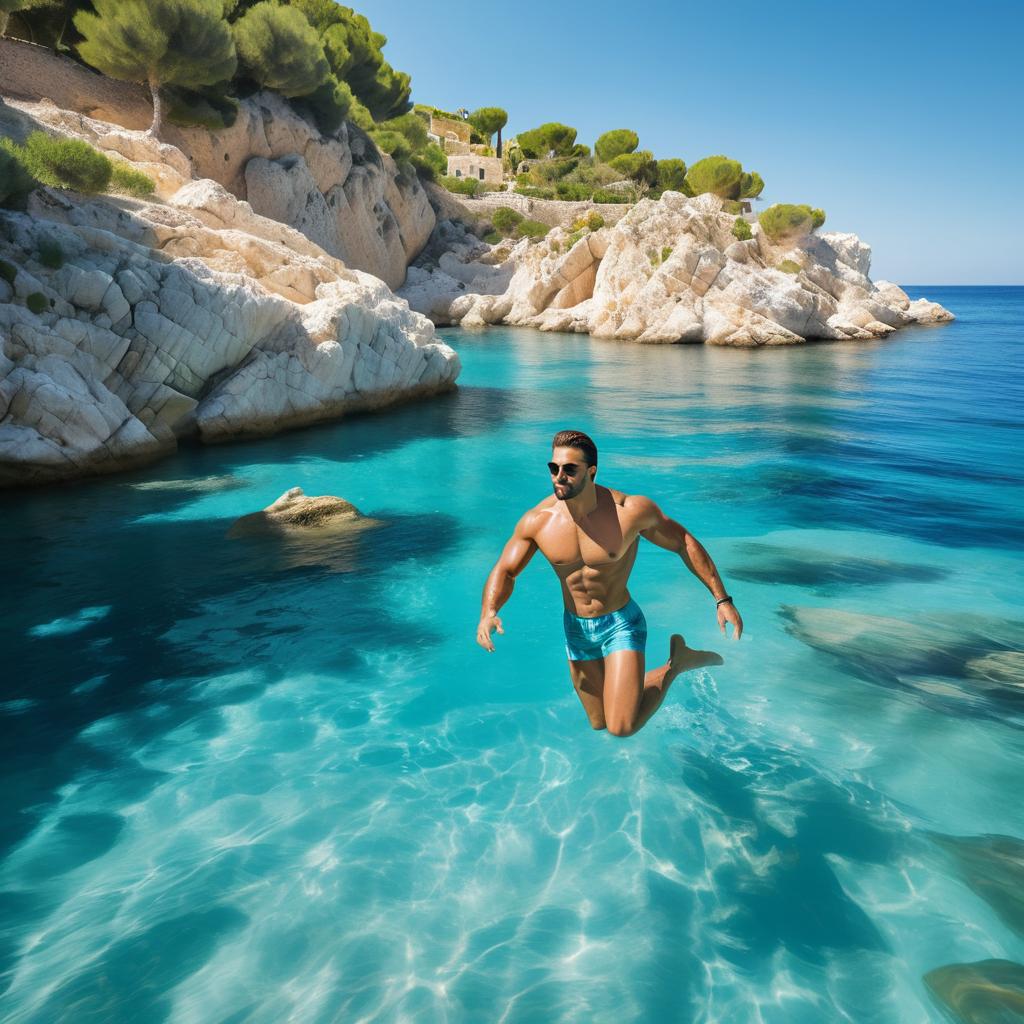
[(902, 120)]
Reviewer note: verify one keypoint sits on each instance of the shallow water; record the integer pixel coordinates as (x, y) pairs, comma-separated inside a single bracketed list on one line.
[(258, 781)]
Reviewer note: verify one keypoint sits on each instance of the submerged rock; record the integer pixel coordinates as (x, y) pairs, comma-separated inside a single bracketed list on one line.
[(993, 868), (824, 571), (671, 271), (972, 660), (987, 992), (295, 510)]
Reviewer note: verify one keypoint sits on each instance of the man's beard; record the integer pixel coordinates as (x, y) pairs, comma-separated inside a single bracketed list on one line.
[(569, 490)]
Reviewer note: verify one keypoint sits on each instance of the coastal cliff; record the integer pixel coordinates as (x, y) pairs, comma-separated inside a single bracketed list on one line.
[(669, 271), (337, 189), (126, 324)]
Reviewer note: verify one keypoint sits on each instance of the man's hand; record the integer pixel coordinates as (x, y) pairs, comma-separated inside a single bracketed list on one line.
[(488, 624), (727, 613)]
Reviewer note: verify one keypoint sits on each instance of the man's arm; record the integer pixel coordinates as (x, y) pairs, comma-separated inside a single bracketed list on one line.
[(659, 529), (520, 548)]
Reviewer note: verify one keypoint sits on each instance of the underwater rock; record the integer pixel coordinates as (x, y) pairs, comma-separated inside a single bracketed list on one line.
[(201, 485), (986, 992), (973, 659), (993, 868), (824, 570)]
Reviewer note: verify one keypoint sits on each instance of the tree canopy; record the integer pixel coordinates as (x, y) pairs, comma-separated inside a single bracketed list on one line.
[(278, 48), (552, 137), (614, 143), (158, 42), (487, 121), (784, 221)]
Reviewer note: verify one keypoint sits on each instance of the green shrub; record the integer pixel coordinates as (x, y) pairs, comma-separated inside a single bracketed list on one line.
[(789, 267), (787, 220), (573, 190), (717, 174), (532, 229), (492, 238), (329, 105), (505, 219), (392, 143), (573, 239), (37, 303), (8, 271), (671, 175), (608, 195), (595, 221), (460, 186), (732, 206), (66, 163), (615, 143), (50, 254), (535, 193), (131, 182), (741, 230), (15, 180), (639, 166), (751, 185), (666, 252), (430, 162)]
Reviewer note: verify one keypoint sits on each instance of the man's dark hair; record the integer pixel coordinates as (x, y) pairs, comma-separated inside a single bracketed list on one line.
[(576, 439)]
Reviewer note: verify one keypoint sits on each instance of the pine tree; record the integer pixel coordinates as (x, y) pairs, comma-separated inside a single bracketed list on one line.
[(158, 42), (487, 121), (279, 49)]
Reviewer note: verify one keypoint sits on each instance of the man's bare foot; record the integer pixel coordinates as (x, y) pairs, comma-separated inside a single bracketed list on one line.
[(683, 658)]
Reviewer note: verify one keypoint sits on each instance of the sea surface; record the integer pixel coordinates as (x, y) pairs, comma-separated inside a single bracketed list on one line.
[(260, 779)]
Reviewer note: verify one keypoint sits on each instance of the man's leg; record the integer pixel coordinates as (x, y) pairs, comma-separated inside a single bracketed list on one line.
[(631, 697), (588, 680)]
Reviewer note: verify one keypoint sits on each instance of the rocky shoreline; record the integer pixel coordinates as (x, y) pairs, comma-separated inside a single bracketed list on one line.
[(668, 272)]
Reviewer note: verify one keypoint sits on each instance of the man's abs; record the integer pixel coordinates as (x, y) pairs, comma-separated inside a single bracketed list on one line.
[(591, 590)]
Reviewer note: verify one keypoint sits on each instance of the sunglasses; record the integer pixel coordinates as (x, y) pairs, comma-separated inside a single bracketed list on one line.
[(570, 469)]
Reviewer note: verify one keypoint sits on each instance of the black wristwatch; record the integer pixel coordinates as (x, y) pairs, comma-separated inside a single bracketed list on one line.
[(723, 600)]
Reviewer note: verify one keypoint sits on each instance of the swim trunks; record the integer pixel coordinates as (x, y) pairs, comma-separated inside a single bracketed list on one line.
[(589, 639)]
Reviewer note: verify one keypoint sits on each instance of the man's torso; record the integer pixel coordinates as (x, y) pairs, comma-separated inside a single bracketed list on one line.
[(594, 556)]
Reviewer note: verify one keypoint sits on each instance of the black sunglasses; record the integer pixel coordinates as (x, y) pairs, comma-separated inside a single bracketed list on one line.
[(570, 469)]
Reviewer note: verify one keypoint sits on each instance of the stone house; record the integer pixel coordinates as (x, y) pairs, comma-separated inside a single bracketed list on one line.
[(471, 165)]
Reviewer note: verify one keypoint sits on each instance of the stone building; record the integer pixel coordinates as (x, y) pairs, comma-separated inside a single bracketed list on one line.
[(471, 165)]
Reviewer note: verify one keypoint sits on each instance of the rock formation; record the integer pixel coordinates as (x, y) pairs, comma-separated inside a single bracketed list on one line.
[(187, 314), (337, 189), (669, 271), (295, 510)]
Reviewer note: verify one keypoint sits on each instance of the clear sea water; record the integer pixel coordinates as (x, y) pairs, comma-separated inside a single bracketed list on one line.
[(255, 780)]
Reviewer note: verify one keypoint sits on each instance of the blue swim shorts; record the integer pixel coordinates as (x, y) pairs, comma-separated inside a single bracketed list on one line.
[(589, 639)]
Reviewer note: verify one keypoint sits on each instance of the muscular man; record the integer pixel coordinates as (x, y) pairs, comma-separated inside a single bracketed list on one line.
[(590, 535)]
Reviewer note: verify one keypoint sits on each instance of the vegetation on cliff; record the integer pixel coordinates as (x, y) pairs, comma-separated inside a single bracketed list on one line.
[(198, 56)]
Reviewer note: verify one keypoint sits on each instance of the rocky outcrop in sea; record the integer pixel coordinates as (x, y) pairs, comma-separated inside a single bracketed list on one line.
[(669, 271)]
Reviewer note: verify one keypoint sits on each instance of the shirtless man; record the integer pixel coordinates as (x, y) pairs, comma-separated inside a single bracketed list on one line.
[(590, 535)]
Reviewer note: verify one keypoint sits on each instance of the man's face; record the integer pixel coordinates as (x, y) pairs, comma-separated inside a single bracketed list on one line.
[(569, 472)]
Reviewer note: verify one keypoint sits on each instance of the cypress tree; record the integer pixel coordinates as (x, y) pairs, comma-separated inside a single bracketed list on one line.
[(279, 49), (158, 42)]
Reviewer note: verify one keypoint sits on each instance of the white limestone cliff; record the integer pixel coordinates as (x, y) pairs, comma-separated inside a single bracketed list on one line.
[(187, 314), (669, 271)]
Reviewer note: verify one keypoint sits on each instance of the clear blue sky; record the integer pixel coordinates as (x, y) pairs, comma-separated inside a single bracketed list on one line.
[(904, 121)]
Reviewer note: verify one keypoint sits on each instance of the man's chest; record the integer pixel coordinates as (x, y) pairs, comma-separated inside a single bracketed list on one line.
[(600, 543)]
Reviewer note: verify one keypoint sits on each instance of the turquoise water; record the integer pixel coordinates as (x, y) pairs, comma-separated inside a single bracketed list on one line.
[(271, 781)]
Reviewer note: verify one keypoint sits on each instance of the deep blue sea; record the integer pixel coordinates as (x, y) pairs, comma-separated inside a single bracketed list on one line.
[(267, 780)]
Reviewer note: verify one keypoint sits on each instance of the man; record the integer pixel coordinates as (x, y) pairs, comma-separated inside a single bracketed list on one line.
[(590, 535)]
